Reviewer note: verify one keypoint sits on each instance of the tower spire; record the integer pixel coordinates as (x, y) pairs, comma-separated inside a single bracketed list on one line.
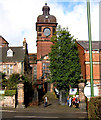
[(46, 9)]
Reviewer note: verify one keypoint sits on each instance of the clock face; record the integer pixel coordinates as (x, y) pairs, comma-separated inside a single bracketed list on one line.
[(46, 31)]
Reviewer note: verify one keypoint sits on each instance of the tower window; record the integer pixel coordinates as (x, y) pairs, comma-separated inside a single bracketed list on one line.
[(39, 34), (39, 29), (46, 68), (54, 30)]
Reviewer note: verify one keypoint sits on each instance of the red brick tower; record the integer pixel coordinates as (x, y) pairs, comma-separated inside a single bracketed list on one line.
[(45, 27)]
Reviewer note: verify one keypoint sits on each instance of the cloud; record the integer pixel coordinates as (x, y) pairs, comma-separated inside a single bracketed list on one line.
[(18, 18), (18, 21), (76, 20)]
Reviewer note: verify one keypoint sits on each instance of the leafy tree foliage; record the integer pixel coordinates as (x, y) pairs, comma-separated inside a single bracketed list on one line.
[(13, 81), (64, 61), (3, 81)]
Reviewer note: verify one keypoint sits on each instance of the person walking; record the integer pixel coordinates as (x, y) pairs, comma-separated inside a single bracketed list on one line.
[(73, 102), (70, 101), (45, 101), (77, 102)]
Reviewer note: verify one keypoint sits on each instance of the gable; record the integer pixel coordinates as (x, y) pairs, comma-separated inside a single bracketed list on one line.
[(3, 42)]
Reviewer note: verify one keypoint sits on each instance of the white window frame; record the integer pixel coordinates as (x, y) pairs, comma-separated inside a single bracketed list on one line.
[(9, 53)]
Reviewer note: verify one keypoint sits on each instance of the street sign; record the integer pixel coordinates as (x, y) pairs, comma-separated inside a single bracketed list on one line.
[(87, 90)]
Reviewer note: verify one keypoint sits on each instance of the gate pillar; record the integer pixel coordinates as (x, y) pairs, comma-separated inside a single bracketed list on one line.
[(20, 94)]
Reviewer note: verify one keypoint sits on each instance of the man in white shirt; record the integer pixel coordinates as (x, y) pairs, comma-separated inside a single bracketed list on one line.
[(45, 101)]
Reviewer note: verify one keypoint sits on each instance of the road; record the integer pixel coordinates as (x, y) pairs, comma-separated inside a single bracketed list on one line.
[(53, 111), (10, 114)]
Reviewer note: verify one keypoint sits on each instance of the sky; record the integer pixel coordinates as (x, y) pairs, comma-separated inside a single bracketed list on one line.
[(18, 19)]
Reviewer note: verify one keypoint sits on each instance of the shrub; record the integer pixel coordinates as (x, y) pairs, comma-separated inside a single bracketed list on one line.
[(77, 93), (71, 96), (94, 108), (10, 92)]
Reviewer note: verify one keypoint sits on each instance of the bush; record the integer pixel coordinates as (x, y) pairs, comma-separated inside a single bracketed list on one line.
[(10, 92), (94, 108), (71, 96), (77, 93)]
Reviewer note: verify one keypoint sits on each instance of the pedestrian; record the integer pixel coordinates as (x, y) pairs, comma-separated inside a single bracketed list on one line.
[(73, 101), (77, 102), (45, 101), (70, 101)]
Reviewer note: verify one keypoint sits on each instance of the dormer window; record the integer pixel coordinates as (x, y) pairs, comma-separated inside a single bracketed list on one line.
[(9, 53)]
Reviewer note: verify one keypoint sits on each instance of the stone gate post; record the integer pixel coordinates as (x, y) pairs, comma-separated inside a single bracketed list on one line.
[(82, 104), (20, 94), (62, 98)]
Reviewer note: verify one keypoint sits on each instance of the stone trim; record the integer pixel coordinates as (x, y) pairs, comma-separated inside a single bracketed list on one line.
[(43, 40), (93, 51), (94, 63)]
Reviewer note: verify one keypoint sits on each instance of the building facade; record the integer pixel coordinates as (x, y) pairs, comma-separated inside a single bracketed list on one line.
[(13, 59), (45, 26), (83, 47), (33, 65)]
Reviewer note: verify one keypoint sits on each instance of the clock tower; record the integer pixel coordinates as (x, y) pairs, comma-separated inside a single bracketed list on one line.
[(45, 26)]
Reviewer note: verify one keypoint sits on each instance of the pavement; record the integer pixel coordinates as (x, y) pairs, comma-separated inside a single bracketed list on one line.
[(53, 111)]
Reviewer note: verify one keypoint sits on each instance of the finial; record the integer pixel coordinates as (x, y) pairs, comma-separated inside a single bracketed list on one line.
[(46, 3)]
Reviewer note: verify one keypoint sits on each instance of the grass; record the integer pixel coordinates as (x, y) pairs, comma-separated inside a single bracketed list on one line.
[(50, 95)]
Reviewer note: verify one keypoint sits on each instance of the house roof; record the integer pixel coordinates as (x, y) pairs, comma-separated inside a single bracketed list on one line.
[(85, 44), (18, 54)]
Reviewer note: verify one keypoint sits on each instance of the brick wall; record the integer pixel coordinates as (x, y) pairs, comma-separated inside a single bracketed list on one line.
[(96, 65), (43, 48), (82, 60), (39, 69)]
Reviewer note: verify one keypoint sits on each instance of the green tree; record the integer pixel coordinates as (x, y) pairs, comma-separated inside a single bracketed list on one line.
[(64, 61), (3, 81), (13, 81)]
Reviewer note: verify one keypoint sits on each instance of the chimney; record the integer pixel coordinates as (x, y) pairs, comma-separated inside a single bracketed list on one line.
[(24, 43)]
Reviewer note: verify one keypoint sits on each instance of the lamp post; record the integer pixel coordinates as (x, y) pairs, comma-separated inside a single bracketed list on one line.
[(90, 47)]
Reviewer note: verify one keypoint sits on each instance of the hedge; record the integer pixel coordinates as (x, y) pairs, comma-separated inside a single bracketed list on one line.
[(94, 108), (10, 92)]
